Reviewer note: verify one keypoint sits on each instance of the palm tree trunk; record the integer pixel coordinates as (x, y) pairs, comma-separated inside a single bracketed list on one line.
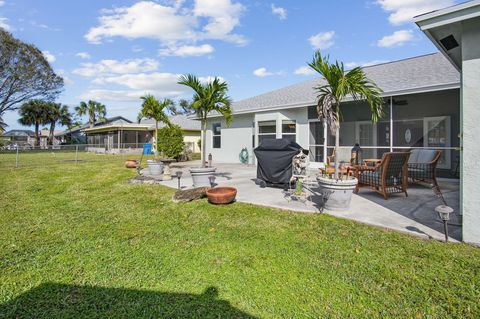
[(156, 139), (37, 138), (204, 141), (50, 136), (337, 145)]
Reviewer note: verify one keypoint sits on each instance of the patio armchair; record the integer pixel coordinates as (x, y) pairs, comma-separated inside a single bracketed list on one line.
[(422, 167), (390, 176)]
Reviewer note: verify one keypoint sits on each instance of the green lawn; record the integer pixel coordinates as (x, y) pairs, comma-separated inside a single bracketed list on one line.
[(77, 241)]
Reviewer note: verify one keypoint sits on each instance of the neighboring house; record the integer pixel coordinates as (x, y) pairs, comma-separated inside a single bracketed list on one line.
[(20, 138), (74, 135), (44, 134), (120, 135), (422, 110), (456, 33)]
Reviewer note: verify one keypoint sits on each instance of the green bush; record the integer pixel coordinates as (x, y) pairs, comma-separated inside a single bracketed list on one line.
[(170, 141)]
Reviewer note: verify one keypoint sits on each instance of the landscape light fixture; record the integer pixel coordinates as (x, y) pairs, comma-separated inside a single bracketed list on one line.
[(179, 176), (444, 212)]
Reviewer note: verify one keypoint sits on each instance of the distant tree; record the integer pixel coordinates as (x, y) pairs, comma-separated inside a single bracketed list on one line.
[(34, 113), (170, 141), (57, 114), (184, 108), (96, 111), (25, 74), (208, 97), (154, 109)]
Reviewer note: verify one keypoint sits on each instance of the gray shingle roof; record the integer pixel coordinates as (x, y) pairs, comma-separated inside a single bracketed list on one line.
[(19, 133), (399, 77), (181, 120)]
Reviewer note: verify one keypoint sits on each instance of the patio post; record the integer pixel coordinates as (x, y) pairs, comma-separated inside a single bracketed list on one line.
[(391, 124)]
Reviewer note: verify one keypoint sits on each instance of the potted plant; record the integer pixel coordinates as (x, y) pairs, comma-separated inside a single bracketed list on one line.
[(208, 97), (154, 109), (338, 84)]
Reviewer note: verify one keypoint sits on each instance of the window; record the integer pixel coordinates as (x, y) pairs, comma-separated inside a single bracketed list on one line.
[(267, 130), (216, 132), (289, 129)]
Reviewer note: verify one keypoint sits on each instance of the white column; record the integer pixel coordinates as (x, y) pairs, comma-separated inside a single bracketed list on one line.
[(391, 124), (470, 130)]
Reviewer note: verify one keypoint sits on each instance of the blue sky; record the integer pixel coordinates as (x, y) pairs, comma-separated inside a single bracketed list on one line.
[(115, 51)]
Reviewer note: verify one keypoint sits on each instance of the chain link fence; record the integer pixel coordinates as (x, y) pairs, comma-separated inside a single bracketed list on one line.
[(27, 156)]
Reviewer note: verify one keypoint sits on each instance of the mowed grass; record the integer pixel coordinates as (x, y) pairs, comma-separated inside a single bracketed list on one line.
[(77, 241)]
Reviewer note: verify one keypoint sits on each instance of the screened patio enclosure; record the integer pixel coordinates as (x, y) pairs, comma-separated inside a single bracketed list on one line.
[(425, 120), (114, 141)]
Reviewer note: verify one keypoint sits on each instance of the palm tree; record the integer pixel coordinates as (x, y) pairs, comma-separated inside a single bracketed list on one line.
[(96, 111), (57, 113), (208, 97), (34, 112), (154, 109), (340, 85)]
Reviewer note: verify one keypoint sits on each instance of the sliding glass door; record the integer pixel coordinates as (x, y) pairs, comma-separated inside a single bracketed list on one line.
[(317, 141)]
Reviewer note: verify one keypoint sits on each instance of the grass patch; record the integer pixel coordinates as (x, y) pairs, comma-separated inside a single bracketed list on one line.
[(78, 241)]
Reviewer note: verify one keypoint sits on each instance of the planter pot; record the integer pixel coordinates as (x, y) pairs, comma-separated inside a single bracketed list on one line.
[(200, 175), (154, 168), (336, 194), (131, 163), (221, 195)]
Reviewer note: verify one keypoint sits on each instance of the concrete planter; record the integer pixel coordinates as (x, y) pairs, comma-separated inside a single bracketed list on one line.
[(200, 175), (154, 168), (336, 194)]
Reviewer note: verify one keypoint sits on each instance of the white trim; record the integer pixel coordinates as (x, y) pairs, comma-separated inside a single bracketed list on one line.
[(453, 14)]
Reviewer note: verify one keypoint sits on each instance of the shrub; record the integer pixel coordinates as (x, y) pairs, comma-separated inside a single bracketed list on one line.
[(170, 141)]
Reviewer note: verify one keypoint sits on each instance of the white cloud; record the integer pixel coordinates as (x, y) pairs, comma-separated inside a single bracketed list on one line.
[(304, 70), (351, 65), (110, 67), (322, 40), (4, 24), (187, 50), (83, 55), (49, 56), (402, 11), (112, 95), (280, 12), (171, 24), (262, 72), (397, 38)]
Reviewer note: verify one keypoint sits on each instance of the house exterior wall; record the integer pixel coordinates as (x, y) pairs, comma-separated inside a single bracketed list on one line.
[(233, 139), (470, 198), (191, 138)]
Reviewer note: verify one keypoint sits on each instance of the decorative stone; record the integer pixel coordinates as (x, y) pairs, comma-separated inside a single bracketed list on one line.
[(190, 194)]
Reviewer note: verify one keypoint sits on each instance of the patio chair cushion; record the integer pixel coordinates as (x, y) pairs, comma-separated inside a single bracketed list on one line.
[(370, 178), (421, 156)]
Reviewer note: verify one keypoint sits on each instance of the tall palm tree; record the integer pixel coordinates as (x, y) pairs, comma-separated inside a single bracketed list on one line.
[(154, 109), (34, 112), (340, 84), (57, 114), (96, 111), (208, 97)]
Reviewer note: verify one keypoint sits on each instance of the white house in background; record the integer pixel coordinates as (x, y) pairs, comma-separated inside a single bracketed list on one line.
[(456, 33)]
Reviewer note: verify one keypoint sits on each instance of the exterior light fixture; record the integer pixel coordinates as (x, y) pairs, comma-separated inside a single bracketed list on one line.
[(356, 152), (210, 157), (179, 176), (444, 212)]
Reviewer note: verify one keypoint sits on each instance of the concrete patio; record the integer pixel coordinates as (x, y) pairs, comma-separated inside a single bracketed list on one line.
[(413, 215)]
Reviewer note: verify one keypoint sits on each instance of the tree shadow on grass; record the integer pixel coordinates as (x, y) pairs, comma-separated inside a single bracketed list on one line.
[(51, 300)]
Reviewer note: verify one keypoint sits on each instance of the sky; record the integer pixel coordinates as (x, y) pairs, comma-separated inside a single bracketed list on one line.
[(116, 51)]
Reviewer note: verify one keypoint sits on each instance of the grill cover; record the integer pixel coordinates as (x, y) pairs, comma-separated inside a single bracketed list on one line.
[(274, 160)]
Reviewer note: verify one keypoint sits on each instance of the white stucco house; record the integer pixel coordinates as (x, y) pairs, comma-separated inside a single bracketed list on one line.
[(431, 101)]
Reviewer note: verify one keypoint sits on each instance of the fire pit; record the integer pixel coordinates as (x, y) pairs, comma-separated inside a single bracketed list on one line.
[(221, 195)]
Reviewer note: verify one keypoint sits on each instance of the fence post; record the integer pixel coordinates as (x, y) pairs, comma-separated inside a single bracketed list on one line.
[(76, 154), (16, 159)]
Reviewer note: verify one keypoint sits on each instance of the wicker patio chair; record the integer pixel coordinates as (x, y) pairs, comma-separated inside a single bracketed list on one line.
[(390, 176), (422, 167)]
